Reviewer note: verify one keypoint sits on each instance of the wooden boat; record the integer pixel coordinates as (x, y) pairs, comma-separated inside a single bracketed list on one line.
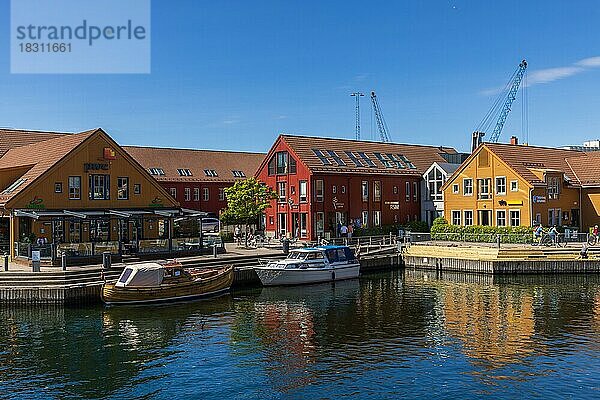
[(154, 282), (310, 265)]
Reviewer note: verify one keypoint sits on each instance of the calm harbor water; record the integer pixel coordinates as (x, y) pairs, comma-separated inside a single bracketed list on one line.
[(399, 334)]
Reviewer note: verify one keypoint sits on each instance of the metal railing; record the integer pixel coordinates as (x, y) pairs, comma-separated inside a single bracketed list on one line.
[(523, 238)]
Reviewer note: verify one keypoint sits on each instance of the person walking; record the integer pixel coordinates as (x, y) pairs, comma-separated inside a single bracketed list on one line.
[(343, 231), (350, 230), (553, 235)]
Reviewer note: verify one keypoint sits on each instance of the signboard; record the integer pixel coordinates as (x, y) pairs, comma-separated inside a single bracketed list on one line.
[(539, 199), (37, 203), (36, 256), (95, 167), (515, 203), (156, 203), (394, 205), (336, 203), (109, 154)]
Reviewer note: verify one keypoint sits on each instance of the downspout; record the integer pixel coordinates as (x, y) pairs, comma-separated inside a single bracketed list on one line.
[(531, 205)]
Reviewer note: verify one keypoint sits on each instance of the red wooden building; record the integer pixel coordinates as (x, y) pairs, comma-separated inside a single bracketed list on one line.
[(322, 181), (196, 178)]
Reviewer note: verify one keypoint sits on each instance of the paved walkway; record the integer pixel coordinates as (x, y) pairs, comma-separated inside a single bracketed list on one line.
[(232, 250)]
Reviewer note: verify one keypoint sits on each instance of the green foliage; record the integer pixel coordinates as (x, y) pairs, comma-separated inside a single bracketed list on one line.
[(512, 234), (246, 202), (226, 237), (440, 221)]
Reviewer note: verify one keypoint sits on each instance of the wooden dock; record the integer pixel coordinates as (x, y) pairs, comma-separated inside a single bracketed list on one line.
[(508, 260)]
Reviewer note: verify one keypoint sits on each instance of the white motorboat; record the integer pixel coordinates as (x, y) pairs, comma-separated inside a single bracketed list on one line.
[(310, 265)]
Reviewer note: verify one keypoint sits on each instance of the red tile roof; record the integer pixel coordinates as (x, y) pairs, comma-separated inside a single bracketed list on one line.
[(39, 157), (222, 162), (418, 155), (586, 168), (13, 138)]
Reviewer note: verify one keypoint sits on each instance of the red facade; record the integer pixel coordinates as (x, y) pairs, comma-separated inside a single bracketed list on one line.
[(388, 199), (203, 196)]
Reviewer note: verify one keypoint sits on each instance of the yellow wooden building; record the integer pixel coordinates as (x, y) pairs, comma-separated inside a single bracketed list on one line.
[(515, 185)]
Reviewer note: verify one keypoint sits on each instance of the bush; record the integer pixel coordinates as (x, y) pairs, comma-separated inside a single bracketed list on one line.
[(413, 226), (475, 233), (226, 237)]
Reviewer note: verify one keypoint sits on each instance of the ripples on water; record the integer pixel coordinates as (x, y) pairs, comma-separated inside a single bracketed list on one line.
[(406, 334)]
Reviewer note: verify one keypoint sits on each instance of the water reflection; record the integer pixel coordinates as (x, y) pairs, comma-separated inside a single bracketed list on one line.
[(409, 333)]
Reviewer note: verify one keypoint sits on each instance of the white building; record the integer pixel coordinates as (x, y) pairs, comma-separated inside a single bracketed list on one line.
[(432, 196)]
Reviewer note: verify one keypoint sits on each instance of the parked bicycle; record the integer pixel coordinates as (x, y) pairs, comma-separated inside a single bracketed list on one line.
[(547, 239), (593, 240)]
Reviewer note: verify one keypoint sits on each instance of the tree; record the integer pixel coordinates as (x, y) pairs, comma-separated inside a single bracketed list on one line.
[(246, 202)]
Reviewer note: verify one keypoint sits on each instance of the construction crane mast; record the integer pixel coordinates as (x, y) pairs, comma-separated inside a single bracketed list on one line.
[(508, 94), (381, 125), (358, 95)]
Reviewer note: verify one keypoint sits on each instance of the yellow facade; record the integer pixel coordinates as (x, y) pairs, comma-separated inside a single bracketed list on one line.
[(487, 191)]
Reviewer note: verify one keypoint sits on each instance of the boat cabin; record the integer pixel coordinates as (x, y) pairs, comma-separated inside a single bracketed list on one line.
[(315, 257), (150, 275)]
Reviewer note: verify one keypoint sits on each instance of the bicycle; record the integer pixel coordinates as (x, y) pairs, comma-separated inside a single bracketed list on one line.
[(593, 240), (546, 239)]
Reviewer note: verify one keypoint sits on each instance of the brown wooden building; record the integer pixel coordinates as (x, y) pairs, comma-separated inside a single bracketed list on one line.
[(197, 178), (321, 182), (80, 194)]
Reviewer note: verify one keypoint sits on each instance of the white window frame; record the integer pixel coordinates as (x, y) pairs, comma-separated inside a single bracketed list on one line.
[(221, 194), (516, 185), (187, 194), (376, 218), (365, 219), (465, 217), (303, 191), (173, 192), (455, 188), (452, 213), (364, 190), (205, 194), (407, 191), (498, 192), (511, 218), (196, 194), (465, 193), (498, 219), (282, 191)]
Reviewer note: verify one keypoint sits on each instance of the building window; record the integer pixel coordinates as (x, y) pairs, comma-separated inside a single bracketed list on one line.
[(376, 218), (281, 190), (365, 191), (137, 188), (538, 218), (173, 192), (292, 189), (187, 194), (415, 192), (221, 194), (515, 218), (553, 187), (320, 223), (455, 217), (500, 217), (196, 194), (407, 191), (514, 186), (334, 189), (435, 181), (156, 171), (303, 224), (123, 188), (303, 185), (58, 187), (467, 187), (343, 189), (365, 219), (319, 190), (376, 191), (483, 188), (74, 187), (211, 172), (272, 166), (468, 216), (282, 162), (184, 172), (205, 194), (395, 189), (501, 185), (99, 187), (238, 174)]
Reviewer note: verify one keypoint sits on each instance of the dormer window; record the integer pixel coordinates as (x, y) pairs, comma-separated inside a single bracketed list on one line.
[(184, 172), (210, 172), (156, 171), (238, 174), (14, 186)]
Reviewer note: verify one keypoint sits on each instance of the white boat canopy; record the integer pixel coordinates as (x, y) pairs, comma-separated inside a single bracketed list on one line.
[(141, 275)]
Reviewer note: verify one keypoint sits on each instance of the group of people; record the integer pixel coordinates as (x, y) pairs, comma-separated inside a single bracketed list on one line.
[(344, 230), (538, 233)]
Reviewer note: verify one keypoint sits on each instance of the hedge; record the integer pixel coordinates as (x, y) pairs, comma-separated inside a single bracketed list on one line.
[(413, 226), (441, 230)]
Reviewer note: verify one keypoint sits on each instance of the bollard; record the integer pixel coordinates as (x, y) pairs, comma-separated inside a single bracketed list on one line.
[(106, 261), (6, 263), (215, 250), (286, 246), (63, 261)]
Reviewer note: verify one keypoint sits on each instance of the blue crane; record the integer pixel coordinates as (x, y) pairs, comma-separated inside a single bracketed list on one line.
[(508, 94), (381, 125)]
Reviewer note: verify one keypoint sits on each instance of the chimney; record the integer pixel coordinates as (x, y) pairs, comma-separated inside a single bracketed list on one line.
[(514, 140)]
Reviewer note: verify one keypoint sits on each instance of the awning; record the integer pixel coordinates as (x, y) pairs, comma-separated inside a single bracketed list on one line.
[(91, 214)]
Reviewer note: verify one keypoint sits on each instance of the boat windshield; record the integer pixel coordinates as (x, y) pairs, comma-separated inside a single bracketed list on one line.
[(297, 255)]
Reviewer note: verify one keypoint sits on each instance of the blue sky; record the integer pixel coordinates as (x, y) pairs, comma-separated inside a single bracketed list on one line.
[(234, 74)]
